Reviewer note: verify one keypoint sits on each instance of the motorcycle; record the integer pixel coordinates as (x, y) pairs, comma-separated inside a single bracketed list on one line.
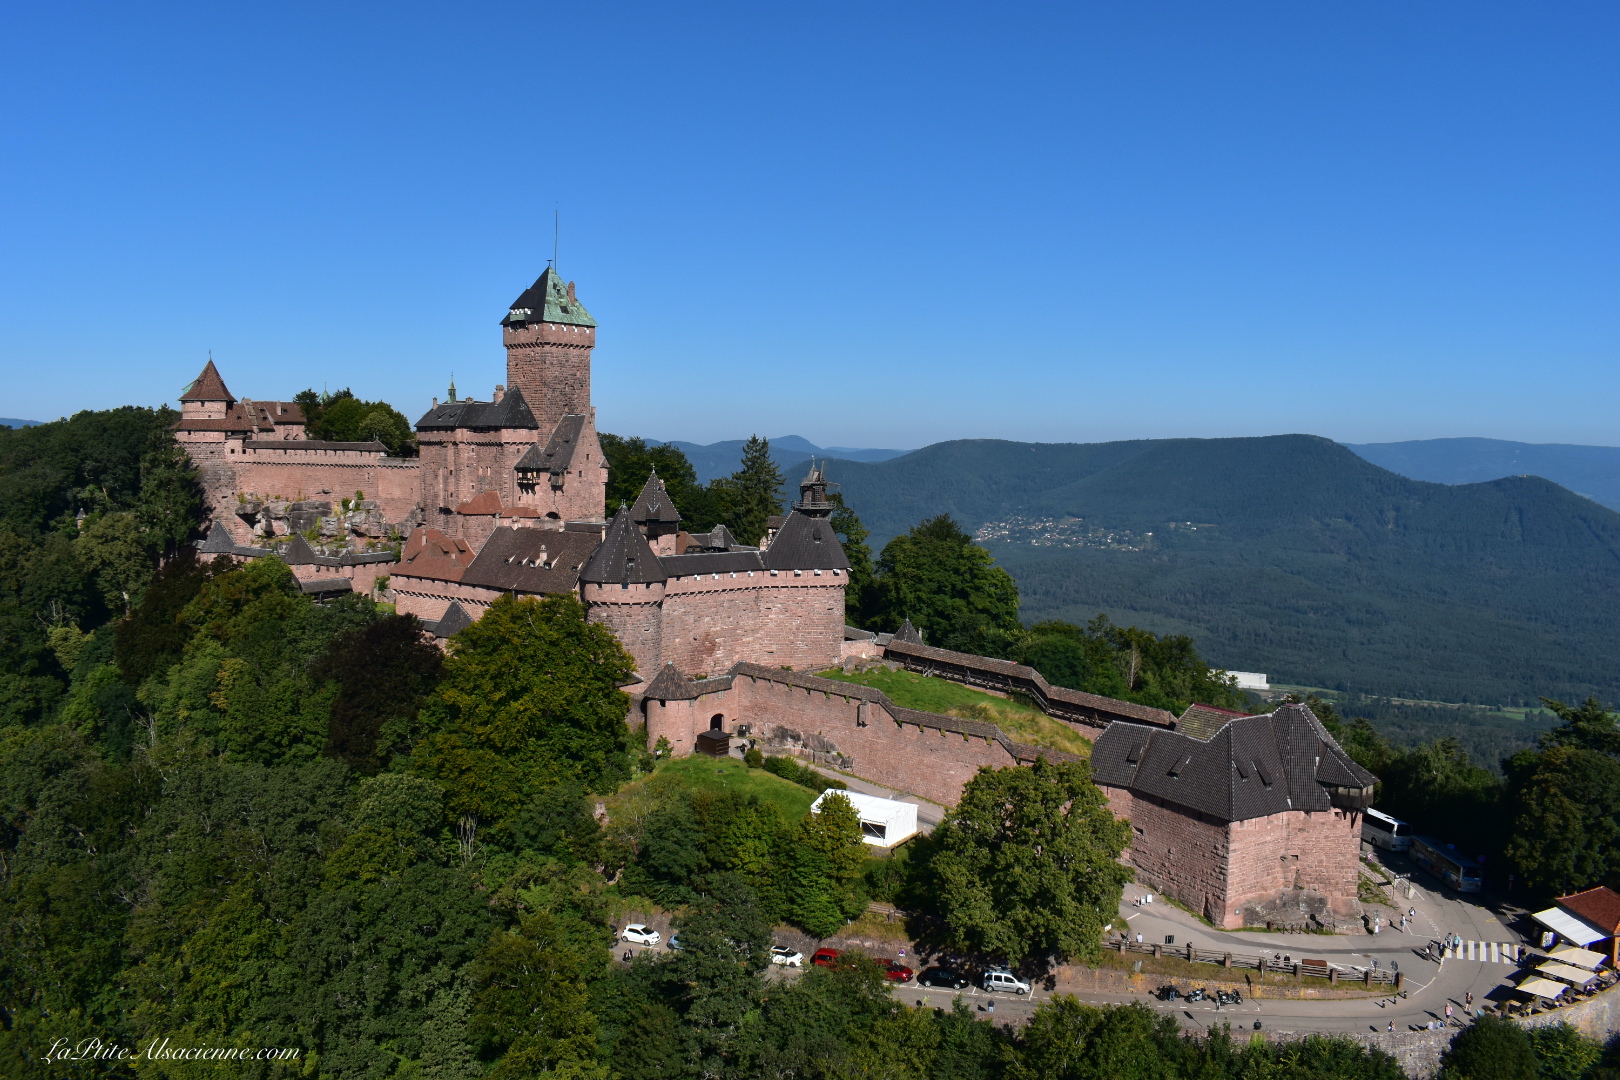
[(1196, 994), (1228, 997)]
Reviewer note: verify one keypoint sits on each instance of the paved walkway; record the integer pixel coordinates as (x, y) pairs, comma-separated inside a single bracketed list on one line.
[(1430, 986)]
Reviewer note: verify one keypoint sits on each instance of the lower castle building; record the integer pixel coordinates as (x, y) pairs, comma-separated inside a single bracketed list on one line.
[(1249, 819)]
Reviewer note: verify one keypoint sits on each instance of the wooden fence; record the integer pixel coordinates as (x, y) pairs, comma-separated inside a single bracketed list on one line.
[(1321, 969)]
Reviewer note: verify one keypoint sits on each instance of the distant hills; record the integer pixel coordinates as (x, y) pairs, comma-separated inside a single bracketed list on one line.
[(1290, 555), (1593, 471), (6, 421), (789, 452)]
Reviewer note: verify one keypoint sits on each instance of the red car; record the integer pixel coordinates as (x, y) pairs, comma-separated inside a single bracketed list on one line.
[(824, 957), (894, 970)]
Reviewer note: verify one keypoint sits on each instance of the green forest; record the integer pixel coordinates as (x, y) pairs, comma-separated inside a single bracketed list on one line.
[(1288, 555), (231, 816)]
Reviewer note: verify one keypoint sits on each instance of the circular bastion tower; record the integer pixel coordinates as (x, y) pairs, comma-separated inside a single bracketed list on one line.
[(623, 585)]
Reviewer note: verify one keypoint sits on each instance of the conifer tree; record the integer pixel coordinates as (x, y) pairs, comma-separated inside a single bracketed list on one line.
[(755, 492)]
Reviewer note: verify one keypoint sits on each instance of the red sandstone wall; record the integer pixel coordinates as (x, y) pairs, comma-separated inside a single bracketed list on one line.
[(923, 761), (1176, 853), (1298, 849), (551, 364), (427, 598), (1221, 870), (712, 623), (634, 617)]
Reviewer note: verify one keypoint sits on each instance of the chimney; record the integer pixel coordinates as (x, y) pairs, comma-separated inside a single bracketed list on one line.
[(435, 401), (571, 292), (500, 392)]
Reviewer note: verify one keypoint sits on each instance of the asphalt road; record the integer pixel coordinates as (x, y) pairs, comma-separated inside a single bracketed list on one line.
[(1429, 986)]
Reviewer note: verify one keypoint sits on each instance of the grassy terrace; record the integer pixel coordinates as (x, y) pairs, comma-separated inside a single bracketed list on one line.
[(1021, 721), (701, 773)]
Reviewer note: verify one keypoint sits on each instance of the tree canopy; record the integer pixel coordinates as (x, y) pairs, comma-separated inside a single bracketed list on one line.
[(1027, 864), (948, 586), (343, 417)]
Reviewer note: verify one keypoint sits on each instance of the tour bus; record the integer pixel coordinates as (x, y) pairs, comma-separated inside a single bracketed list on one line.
[(1447, 864), (1381, 830)]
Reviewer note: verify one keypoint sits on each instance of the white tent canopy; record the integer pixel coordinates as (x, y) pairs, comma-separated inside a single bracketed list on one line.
[(1565, 973), (1568, 926), (884, 822), (1581, 958), (1542, 988)]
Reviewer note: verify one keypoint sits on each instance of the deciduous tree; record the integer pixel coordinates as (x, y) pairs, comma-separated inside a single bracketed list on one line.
[(1027, 864)]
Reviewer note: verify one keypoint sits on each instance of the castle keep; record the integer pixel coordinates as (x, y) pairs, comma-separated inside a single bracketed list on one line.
[(1246, 818)]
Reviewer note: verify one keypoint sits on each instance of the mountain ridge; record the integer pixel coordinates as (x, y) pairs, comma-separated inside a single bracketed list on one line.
[(1289, 554)]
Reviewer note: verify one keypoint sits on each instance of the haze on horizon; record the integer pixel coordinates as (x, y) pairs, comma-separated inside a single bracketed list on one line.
[(869, 228)]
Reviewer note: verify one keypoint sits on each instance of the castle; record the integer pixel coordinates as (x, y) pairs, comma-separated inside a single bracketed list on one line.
[(1244, 818)]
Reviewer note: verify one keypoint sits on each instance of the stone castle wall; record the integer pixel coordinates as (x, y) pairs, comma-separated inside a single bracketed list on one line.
[(633, 613), (932, 763), (792, 618), (1281, 868), (295, 470), (551, 363)]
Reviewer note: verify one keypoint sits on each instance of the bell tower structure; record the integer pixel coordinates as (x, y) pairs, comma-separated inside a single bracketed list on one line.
[(549, 336)]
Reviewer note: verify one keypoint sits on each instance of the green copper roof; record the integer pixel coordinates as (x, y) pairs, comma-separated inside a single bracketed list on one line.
[(547, 300)]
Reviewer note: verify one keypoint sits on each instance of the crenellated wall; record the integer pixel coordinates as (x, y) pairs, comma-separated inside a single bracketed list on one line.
[(792, 618), (926, 755)]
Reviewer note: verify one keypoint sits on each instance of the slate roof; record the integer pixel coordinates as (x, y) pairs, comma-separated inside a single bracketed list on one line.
[(670, 685), (1203, 721), (1599, 906), (326, 586), (454, 619), (557, 456), (805, 543), (509, 412), (548, 300), (219, 542), (298, 553), (314, 444), (718, 538), (654, 504), (1254, 766), (908, 634), (625, 556), (532, 561), (207, 386), (712, 562)]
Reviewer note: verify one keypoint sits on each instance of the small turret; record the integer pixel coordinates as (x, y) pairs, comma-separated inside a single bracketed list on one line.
[(813, 494)]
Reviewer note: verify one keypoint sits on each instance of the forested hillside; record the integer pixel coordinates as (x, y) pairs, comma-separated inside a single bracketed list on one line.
[(1289, 555), (1593, 471)]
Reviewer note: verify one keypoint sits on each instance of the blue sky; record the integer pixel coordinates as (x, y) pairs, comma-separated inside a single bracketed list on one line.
[(871, 225)]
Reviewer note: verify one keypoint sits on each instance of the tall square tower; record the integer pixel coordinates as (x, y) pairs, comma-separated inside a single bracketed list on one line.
[(549, 336)]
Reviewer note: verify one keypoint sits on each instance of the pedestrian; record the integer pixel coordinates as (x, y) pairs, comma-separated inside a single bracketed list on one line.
[(990, 1006), (1392, 1025), (1468, 998), (1139, 939), (1448, 1010)]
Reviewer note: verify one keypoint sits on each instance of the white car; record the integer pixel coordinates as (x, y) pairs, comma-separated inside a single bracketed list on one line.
[(1004, 980), (781, 954), (641, 934)]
